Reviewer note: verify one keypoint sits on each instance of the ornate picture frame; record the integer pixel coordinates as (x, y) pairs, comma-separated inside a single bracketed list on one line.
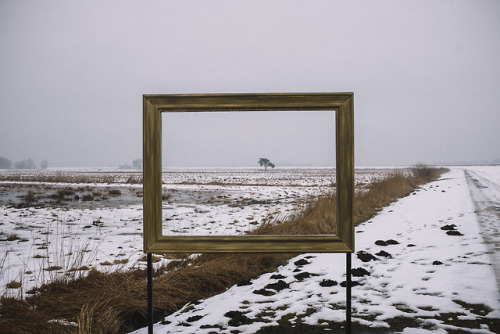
[(155, 105)]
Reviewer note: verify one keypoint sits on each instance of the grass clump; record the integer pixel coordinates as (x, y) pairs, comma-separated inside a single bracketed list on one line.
[(13, 285)]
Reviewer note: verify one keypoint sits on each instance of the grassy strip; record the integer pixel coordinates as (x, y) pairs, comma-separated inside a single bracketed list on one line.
[(116, 302), (73, 177)]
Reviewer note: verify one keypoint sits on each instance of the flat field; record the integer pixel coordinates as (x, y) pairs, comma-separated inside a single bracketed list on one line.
[(59, 224)]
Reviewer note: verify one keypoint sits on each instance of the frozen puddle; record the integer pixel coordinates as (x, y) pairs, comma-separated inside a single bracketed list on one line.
[(421, 263)]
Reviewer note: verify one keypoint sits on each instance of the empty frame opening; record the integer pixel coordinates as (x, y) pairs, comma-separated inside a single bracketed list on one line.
[(248, 173)]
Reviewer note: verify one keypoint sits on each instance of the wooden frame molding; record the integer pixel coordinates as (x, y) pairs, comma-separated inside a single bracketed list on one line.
[(341, 103)]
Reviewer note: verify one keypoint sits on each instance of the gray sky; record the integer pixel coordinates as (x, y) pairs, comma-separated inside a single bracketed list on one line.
[(425, 74), (241, 138)]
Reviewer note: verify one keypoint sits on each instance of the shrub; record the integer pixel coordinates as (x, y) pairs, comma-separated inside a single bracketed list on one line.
[(426, 173), (421, 170)]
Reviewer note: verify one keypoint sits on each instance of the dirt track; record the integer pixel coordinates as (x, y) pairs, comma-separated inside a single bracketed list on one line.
[(485, 194)]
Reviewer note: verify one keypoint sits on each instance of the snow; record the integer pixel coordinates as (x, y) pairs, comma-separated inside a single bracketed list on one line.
[(428, 274)]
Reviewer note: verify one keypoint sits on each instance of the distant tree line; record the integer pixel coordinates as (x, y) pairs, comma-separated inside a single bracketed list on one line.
[(136, 164), (23, 164)]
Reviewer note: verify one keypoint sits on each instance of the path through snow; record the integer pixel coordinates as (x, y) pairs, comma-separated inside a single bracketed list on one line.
[(484, 186)]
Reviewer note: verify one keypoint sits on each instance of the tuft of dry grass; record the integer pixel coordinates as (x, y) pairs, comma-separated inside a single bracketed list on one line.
[(117, 302), (92, 319), (13, 285), (99, 303)]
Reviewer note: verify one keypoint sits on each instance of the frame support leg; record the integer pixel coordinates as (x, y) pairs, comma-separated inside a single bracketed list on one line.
[(150, 292), (348, 293)]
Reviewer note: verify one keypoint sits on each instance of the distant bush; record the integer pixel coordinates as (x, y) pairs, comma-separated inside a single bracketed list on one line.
[(136, 164), (420, 170), (24, 164), (425, 172)]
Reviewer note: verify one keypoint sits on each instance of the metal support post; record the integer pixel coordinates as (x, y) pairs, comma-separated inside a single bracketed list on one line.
[(348, 293), (150, 292)]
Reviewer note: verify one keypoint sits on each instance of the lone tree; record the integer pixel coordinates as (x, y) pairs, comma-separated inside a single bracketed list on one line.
[(266, 163)]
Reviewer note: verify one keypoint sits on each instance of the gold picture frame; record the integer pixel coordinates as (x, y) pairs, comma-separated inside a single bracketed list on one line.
[(154, 105)]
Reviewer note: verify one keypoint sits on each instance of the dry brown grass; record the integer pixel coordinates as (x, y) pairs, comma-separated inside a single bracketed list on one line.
[(380, 193), (117, 302), (316, 217)]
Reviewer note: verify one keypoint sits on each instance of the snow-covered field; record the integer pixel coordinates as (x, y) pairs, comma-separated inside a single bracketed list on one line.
[(50, 230), (428, 263), (424, 264)]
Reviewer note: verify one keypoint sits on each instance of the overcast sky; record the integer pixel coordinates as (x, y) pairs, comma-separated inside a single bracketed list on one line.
[(240, 138), (425, 77)]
